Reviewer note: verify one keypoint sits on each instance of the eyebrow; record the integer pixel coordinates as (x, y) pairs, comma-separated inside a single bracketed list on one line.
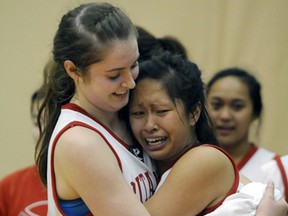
[(216, 98), (151, 104), (121, 68), (241, 100)]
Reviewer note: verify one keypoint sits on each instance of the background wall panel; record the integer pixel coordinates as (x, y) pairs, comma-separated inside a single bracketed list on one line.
[(217, 33)]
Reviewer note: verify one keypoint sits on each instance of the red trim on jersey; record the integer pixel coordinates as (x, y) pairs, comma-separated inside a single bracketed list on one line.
[(234, 186), (72, 124), (247, 157), (283, 175), (52, 171), (75, 107)]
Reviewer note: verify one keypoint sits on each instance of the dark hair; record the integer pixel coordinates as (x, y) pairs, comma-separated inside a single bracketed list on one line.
[(34, 98), (182, 80), (149, 45), (173, 45), (254, 87), (83, 36)]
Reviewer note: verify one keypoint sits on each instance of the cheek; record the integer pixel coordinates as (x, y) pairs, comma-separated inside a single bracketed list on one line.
[(212, 114), (135, 126), (245, 121)]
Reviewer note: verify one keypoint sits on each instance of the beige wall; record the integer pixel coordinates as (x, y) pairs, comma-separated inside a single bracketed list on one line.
[(217, 33)]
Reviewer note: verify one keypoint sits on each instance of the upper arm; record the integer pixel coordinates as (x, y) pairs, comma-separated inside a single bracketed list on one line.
[(199, 179), (86, 167)]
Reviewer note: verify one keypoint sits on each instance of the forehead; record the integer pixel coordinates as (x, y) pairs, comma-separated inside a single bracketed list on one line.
[(120, 53), (229, 88), (150, 94), (149, 91)]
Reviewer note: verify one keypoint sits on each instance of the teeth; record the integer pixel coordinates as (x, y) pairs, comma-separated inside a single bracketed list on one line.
[(120, 93), (154, 141)]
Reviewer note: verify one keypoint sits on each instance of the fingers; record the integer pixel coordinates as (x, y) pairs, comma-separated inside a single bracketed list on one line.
[(282, 204), (269, 191), (269, 206)]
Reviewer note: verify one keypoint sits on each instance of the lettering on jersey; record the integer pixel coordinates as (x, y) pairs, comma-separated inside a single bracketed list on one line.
[(144, 186)]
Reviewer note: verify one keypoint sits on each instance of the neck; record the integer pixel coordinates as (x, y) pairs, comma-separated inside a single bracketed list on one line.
[(110, 119), (238, 151), (165, 164)]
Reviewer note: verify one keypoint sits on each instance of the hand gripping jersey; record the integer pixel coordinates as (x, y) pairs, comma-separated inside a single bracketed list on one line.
[(245, 202), (251, 163), (277, 170), (140, 176)]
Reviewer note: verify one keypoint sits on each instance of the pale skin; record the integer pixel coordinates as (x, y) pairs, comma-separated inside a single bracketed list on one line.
[(231, 109), (88, 170), (268, 205)]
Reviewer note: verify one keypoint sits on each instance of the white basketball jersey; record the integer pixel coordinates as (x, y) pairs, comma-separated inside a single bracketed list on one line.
[(251, 169), (277, 172), (140, 176)]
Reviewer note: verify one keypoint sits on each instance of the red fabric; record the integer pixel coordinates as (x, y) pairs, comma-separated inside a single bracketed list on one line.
[(247, 157), (234, 187), (22, 192)]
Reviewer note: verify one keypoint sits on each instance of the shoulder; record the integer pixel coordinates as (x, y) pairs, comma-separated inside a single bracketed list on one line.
[(80, 154), (207, 165), (79, 138), (81, 144), (204, 162), (207, 154), (204, 172)]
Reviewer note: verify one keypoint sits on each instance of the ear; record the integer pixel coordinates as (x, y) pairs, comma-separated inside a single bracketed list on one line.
[(195, 115), (71, 69), (254, 118)]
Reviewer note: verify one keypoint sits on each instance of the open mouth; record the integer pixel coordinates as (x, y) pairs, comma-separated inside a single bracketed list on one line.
[(155, 141), (120, 93), (224, 130)]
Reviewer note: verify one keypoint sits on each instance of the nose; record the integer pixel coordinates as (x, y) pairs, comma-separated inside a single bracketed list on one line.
[(224, 113), (128, 80), (150, 124)]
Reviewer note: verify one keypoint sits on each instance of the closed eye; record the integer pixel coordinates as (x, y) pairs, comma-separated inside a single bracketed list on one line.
[(162, 111), (138, 113), (114, 77), (216, 105), (134, 65), (237, 107)]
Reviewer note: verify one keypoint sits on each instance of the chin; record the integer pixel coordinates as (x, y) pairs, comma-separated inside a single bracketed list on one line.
[(226, 144)]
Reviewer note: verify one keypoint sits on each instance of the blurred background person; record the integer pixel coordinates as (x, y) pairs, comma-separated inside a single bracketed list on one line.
[(234, 102), (22, 192)]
